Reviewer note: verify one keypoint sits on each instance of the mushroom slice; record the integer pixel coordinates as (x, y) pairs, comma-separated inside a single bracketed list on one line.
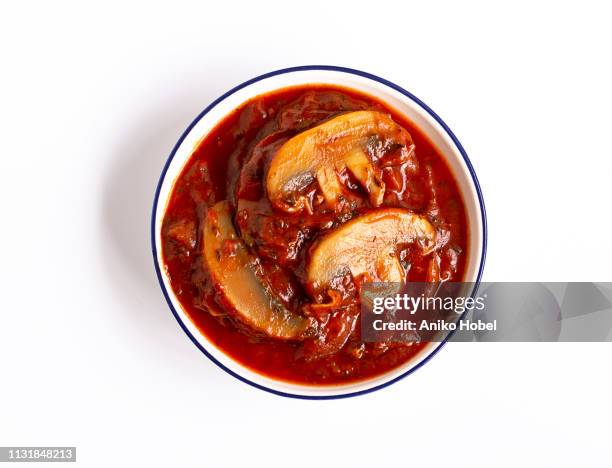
[(368, 245), (323, 151), (233, 271)]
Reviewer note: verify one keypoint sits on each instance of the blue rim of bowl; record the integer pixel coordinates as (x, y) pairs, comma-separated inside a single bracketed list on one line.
[(281, 72)]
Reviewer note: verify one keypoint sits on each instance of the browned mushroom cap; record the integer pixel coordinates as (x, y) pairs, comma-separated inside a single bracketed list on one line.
[(323, 151), (368, 245), (233, 271)]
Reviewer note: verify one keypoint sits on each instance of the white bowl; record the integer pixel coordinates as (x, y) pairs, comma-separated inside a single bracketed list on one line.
[(394, 96)]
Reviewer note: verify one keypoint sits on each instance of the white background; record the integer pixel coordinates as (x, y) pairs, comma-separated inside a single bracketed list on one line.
[(92, 99)]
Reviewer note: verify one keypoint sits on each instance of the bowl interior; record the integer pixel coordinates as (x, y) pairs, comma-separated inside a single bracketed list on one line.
[(392, 97)]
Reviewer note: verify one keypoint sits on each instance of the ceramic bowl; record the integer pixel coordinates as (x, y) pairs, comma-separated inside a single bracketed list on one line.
[(394, 96)]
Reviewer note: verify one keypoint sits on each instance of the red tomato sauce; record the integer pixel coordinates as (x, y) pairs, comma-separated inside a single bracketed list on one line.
[(219, 170)]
